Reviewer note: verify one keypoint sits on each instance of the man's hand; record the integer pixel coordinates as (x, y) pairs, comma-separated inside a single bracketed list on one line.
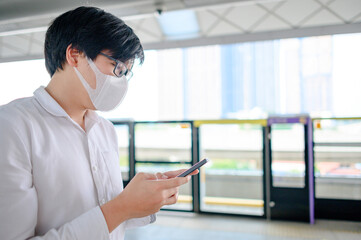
[(173, 174), (144, 195)]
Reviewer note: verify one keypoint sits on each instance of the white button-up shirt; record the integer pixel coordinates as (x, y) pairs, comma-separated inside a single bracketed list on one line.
[(54, 175)]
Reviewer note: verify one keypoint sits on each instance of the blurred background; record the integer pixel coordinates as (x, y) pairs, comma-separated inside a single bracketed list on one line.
[(216, 73)]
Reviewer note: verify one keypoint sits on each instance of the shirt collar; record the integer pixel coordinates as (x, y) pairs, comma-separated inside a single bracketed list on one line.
[(92, 115), (51, 106), (49, 103)]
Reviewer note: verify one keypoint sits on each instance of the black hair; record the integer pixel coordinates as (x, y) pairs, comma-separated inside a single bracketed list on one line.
[(89, 30)]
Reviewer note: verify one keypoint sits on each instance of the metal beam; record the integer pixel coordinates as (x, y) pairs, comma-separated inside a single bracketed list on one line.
[(261, 36), (21, 58)]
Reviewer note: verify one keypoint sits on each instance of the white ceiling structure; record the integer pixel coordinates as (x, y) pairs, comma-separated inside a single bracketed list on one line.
[(23, 22)]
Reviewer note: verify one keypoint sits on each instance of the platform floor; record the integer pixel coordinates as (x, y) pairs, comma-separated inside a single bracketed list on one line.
[(189, 226)]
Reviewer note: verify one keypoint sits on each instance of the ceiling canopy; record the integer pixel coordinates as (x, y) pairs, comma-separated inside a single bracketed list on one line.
[(182, 23)]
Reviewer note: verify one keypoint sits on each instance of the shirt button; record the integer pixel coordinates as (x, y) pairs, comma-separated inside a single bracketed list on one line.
[(95, 168), (102, 201)]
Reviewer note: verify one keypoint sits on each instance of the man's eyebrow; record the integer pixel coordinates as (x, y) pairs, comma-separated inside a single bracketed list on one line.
[(112, 59)]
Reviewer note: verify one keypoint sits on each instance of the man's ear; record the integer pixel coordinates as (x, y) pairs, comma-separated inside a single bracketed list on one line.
[(72, 56)]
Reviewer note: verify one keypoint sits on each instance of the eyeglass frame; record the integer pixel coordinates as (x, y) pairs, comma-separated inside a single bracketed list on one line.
[(129, 71)]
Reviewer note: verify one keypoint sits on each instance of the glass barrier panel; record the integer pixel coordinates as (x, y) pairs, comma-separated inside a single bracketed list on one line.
[(337, 159), (233, 180), (168, 142), (288, 155)]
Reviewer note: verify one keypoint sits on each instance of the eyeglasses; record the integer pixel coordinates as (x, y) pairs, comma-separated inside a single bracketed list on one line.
[(120, 69)]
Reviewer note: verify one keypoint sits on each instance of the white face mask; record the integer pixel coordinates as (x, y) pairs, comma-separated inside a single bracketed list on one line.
[(109, 91)]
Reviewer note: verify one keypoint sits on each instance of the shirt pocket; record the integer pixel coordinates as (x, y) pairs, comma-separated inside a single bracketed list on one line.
[(111, 160)]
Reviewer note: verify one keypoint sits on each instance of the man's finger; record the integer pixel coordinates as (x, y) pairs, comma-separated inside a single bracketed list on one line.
[(147, 176), (161, 176), (172, 200), (170, 192), (173, 182), (172, 174)]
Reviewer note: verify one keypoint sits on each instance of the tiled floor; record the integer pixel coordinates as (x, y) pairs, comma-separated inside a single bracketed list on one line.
[(187, 226)]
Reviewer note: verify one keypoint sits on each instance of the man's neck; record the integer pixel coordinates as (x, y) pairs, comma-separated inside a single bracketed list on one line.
[(69, 95)]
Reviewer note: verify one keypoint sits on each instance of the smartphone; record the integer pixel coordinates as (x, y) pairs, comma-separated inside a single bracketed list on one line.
[(194, 167)]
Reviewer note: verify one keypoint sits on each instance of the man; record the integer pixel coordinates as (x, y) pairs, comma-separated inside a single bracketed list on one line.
[(59, 172)]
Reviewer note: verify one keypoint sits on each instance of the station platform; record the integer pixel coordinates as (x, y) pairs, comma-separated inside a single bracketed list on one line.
[(190, 226)]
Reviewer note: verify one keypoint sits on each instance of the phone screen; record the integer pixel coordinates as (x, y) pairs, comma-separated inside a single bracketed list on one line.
[(194, 167)]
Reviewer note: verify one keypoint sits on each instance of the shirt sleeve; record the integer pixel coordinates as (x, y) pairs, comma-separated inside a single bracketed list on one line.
[(18, 196), (140, 222), (90, 225)]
